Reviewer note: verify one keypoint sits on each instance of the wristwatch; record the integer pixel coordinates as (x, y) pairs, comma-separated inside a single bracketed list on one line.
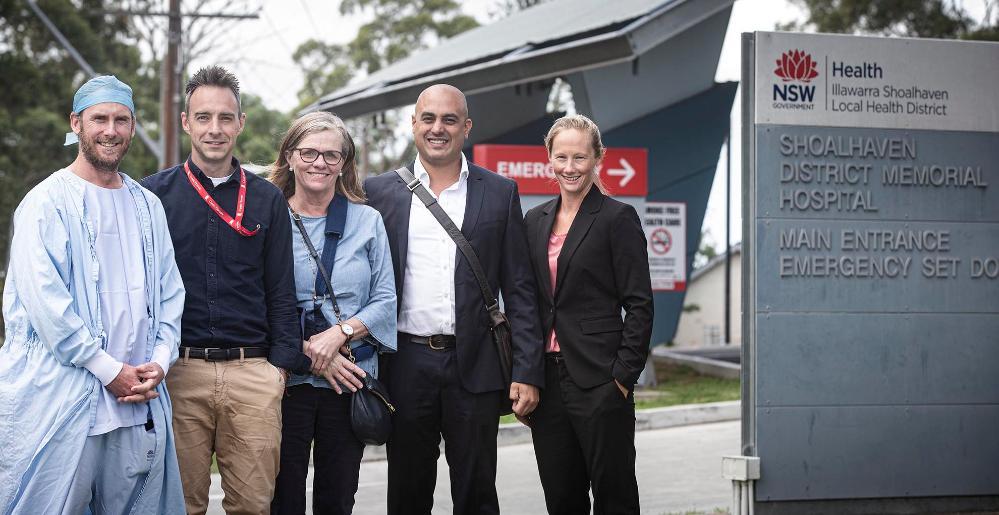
[(347, 330)]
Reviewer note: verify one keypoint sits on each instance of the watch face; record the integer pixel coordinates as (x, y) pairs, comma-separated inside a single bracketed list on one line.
[(347, 329)]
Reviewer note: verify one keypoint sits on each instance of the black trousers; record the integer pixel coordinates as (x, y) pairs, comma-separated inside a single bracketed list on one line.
[(431, 403), (317, 420), (583, 439)]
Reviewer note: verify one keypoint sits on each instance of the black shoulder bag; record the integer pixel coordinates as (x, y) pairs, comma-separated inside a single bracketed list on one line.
[(500, 325), (370, 408)]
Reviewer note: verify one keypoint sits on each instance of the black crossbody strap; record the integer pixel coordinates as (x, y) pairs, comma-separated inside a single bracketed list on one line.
[(318, 261), (415, 186)]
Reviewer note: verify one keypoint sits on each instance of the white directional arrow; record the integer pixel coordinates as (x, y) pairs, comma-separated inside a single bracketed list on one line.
[(626, 172)]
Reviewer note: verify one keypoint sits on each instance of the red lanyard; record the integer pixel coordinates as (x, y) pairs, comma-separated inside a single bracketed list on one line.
[(235, 223)]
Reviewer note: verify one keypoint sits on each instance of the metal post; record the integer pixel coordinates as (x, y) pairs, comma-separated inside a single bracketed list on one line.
[(728, 231)]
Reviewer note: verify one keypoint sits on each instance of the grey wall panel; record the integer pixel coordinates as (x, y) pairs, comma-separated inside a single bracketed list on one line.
[(961, 150), (802, 279), (877, 451), (872, 273), (873, 359), (498, 111)]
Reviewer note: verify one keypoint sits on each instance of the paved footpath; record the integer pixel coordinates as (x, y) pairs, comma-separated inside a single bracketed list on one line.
[(679, 469)]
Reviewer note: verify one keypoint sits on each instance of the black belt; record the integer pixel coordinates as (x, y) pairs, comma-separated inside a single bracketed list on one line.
[(209, 354), (434, 341)]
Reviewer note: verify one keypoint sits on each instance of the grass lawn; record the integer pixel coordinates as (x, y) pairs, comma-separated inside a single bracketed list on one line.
[(679, 385), (683, 385)]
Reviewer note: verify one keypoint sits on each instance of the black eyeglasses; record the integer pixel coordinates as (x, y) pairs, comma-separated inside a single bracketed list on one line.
[(309, 155)]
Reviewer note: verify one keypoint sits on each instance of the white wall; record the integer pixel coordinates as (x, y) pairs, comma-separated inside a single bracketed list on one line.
[(706, 325)]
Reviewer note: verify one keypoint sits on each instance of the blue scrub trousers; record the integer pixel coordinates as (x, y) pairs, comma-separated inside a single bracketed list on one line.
[(112, 471)]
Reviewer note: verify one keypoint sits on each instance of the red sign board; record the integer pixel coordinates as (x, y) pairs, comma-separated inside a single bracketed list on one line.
[(625, 171)]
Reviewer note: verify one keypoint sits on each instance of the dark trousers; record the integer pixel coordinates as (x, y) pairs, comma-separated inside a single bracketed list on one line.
[(585, 438), (317, 420), (426, 389)]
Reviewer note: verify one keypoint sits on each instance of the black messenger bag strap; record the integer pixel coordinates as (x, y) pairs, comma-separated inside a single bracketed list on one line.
[(319, 262), (414, 185)]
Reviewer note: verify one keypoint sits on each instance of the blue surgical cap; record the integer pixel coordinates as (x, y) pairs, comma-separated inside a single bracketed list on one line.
[(100, 89)]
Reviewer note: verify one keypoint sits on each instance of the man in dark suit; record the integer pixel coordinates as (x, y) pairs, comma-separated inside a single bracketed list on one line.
[(445, 378)]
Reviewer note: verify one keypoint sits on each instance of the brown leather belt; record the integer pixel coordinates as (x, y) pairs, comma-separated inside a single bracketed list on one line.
[(435, 341)]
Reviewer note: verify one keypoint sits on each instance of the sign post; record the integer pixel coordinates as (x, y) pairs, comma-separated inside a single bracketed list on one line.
[(871, 273)]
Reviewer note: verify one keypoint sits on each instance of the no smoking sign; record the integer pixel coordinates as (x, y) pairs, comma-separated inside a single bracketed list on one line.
[(661, 241), (665, 225)]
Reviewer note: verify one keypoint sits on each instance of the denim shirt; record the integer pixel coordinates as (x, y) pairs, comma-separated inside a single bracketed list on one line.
[(362, 280), (48, 401)]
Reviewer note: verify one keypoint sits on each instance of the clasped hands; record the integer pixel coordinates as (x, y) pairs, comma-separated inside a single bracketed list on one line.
[(328, 352), (137, 384)]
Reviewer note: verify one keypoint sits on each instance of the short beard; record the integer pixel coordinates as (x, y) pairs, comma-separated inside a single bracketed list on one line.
[(90, 153)]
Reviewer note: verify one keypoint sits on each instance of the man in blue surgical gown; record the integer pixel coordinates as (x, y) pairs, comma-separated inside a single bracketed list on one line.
[(92, 306)]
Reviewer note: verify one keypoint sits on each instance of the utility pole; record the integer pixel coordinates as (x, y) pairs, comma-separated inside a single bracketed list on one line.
[(170, 78), (172, 74)]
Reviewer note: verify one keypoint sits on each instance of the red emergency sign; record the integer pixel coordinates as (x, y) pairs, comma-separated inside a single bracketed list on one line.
[(625, 171)]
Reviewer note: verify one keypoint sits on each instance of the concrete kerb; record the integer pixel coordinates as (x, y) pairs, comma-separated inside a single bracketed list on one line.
[(655, 418)]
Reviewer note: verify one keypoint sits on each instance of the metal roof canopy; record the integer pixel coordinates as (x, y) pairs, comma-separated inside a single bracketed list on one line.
[(549, 40)]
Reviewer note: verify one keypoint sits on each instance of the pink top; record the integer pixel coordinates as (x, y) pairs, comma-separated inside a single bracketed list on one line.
[(555, 242)]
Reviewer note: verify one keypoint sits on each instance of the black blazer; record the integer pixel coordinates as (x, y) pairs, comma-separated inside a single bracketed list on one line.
[(494, 226), (602, 268)]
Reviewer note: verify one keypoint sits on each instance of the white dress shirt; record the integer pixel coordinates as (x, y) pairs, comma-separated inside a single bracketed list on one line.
[(427, 303)]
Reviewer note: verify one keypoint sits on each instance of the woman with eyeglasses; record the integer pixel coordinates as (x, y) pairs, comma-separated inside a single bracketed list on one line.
[(315, 170), (590, 260)]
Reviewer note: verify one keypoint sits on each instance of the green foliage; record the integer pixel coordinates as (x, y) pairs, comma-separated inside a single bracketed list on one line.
[(399, 27), (706, 251), (262, 134), (40, 78), (910, 18), (327, 67), (683, 385), (504, 8), (691, 308)]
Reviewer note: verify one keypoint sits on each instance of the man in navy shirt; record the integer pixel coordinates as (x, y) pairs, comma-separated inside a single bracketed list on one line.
[(239, 333)]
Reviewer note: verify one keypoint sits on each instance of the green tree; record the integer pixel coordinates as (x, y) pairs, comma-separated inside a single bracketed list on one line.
[(707, 249), (327, 67), (40, 78), (397, 28), (909, 18), (262, 134), (504, 8), (400, 27)]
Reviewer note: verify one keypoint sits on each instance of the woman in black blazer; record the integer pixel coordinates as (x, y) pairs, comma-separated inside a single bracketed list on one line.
[(590, 259)]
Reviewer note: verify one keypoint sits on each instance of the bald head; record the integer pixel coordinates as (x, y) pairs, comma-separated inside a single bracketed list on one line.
[(440, 126), (443, 93)]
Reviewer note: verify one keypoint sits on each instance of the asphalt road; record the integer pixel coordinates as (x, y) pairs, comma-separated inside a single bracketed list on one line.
[(679, 470)]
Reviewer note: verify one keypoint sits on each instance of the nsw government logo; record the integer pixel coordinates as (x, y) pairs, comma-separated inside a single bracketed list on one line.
[(796, 69)]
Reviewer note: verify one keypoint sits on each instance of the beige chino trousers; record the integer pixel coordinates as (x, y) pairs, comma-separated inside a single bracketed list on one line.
[(231, 409)]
